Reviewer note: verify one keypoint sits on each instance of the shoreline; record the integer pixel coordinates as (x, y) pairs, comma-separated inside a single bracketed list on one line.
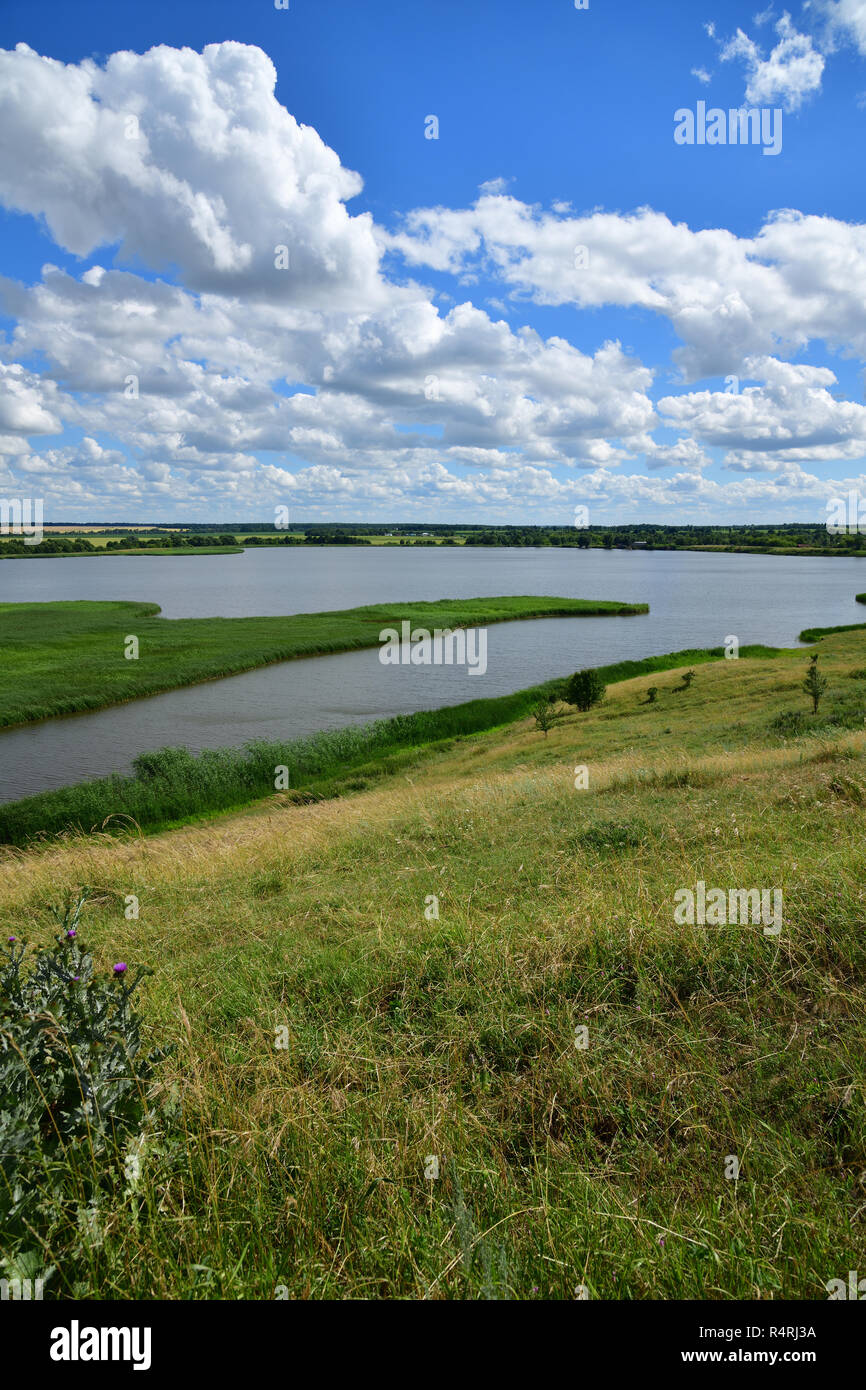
[(175, 788), (225, 646)]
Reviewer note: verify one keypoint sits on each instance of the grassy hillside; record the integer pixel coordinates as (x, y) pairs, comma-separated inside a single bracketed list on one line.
[(61, 658), (412, 1038)]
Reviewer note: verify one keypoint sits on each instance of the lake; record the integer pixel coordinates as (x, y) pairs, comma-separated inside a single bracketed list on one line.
[(696, 600)]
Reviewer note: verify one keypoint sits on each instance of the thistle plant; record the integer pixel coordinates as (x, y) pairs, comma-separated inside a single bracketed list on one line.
[(73, 1071)]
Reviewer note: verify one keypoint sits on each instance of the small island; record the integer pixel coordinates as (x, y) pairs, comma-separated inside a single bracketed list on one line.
[(63, 658)]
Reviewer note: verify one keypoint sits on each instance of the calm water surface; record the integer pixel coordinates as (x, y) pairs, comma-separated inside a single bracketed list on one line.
[(695, 600)]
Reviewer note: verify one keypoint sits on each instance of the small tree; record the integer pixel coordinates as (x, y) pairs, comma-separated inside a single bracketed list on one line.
[(652, 694), (585, 689), (688, 677), (545, 716), (815, 684)]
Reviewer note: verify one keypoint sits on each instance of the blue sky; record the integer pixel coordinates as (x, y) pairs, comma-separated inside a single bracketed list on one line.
[(432, 350)]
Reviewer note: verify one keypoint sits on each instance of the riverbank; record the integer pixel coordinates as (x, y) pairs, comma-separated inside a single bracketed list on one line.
[(43, 552), (171, 786), (63, 658)]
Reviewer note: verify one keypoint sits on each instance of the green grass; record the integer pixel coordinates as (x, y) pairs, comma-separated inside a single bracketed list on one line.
[(62, 658), (814, 634), (180, 550), (454, 1036), (172, 786)]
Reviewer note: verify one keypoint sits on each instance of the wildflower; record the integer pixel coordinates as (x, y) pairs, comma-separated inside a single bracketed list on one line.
[(71, 933), (120, 968), (12, 940)]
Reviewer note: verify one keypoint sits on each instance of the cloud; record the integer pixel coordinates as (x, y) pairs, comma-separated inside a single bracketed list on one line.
[(727, 297), (685, 453), (791, 418), (28, 406), (790, 74), (184, 159), (846, 21), (339, 382)]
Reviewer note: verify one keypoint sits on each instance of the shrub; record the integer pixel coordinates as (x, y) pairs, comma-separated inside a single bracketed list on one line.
[(790, 723), (72, 1075), (585, 689)]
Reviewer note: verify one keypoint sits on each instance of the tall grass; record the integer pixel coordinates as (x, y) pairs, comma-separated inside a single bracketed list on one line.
[(172, 784), (302, 1170), (814, 634)]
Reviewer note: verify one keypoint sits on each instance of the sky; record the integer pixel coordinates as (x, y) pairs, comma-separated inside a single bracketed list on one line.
[(494, 263)]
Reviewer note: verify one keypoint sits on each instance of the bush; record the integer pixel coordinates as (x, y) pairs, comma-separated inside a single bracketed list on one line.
[(585, 689), (790, 723), (72, 1076)]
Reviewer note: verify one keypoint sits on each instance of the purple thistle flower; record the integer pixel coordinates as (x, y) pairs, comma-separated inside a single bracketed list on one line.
[(12, 940), (120, 968), (72, 932)]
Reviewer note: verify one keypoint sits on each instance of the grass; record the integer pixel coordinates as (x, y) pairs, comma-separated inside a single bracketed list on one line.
[(179, 550), (172, 786), (413, 1037), (62, 658)]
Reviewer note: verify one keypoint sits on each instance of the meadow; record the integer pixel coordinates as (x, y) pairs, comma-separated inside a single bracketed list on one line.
[(440, 1037), (62, 658)]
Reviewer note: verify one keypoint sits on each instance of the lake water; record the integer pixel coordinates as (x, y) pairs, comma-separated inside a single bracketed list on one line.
[(696, 600)]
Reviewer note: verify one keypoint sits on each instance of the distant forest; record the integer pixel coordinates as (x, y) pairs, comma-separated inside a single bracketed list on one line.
[(809, 538)]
